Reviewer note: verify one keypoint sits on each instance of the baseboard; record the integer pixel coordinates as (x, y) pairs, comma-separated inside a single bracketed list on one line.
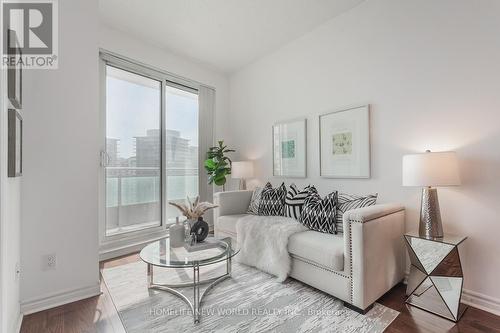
[(481, 301), (19, 323), (111, 252), (405, 280), (61, 298), (476, 300)]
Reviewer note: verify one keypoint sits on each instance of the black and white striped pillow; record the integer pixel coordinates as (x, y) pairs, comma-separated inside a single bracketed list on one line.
[(351, 201), (319, 214), (295, 200)]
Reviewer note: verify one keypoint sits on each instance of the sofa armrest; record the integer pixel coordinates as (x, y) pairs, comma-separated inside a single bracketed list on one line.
[(369, 213), (374, 251), (231, 202)]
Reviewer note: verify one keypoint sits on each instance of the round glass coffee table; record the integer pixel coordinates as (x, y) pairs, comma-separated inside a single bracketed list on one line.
[(211, 251)]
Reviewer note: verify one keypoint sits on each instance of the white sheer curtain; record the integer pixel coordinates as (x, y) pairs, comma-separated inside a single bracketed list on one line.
[(206, 102)]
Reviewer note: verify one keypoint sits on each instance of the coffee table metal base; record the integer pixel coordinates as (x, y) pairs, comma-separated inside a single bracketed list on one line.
[(195, 305)]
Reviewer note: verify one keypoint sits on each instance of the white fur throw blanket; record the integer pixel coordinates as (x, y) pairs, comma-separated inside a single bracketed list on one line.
[(263, 242)]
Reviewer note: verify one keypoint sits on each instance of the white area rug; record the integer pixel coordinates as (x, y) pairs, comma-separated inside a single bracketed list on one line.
[(250, 301)]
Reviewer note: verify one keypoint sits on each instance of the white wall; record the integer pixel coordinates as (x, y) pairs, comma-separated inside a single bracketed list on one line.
[(10, 222), (61, 160), (431, 71)]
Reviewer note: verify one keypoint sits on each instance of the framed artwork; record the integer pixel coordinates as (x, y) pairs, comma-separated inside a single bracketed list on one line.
[(14, 73), (15, 144), (290, 149), (344, 139)]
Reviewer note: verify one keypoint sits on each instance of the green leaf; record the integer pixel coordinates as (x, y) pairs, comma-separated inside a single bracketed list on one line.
[(217, 165), (210, 164)]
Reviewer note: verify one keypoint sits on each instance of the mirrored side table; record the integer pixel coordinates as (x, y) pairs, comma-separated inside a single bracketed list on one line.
[(436, 277)]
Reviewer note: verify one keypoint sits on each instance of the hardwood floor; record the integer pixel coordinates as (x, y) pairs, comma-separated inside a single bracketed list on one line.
[(412, 319), (98, 314)]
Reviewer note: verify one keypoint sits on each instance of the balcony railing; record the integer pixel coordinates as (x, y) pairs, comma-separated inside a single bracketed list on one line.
[(133, 195)]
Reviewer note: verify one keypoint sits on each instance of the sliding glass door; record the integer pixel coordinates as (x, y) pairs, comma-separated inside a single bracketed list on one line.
[(150, 153), (133, 151), (181, 151)]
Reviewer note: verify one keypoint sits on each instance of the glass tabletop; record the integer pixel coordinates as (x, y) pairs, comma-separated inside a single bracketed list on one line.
[(212, 250), (447, 239)]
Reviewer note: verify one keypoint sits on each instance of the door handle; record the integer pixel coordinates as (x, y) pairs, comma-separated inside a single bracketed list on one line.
[(105, 159)]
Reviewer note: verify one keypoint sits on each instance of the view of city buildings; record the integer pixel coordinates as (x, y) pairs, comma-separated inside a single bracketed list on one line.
[(180, 154), (133, 183)]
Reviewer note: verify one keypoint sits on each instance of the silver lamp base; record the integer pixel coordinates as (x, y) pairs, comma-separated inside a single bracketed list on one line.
[(430, 216), (243, 184)]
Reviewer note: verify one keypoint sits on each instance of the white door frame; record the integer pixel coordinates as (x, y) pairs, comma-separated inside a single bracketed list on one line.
[(119, 244)]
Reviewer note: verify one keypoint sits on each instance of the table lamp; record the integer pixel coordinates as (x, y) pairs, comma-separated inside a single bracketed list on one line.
[(426, 170), (242, 170)]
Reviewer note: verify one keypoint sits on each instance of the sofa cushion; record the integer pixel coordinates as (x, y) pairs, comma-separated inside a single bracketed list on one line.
[(227, 223), (324, 249)]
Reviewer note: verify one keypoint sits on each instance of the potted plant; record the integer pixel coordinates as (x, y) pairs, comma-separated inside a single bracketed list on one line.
[(218, 165)]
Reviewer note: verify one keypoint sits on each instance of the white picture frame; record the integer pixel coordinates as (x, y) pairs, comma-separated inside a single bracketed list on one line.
[(290, 148), (15, 144), (344, 143), (15, 72)]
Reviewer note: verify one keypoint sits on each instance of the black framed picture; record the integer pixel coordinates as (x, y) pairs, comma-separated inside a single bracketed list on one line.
[(15, 144), (15, 72)]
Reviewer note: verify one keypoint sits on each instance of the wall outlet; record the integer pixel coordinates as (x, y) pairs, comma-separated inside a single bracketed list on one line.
[(49, 262)]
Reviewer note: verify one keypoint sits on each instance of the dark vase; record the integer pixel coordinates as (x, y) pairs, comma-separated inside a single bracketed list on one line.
[(200, 229)]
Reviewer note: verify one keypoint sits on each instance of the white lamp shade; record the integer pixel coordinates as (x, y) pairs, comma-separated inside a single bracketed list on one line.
[(242, 170), (431, 169)]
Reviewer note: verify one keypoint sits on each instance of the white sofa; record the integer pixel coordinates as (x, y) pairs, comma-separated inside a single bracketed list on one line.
[(358, 266)]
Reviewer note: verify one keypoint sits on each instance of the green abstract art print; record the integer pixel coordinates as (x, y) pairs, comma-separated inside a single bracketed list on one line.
[(288, 149)]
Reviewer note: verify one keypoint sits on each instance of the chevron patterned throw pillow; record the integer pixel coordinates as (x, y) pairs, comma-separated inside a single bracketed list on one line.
[(319, 214), (253, 208), (272, 200)]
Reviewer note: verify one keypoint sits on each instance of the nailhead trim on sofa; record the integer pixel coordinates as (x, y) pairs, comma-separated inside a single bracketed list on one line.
[(350, 248), (350, 260), (312, 263)]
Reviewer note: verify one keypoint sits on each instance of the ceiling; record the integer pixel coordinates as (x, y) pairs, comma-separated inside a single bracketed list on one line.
[(224, 34)]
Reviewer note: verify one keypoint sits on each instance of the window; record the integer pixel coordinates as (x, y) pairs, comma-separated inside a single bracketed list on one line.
[(150, 151)]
